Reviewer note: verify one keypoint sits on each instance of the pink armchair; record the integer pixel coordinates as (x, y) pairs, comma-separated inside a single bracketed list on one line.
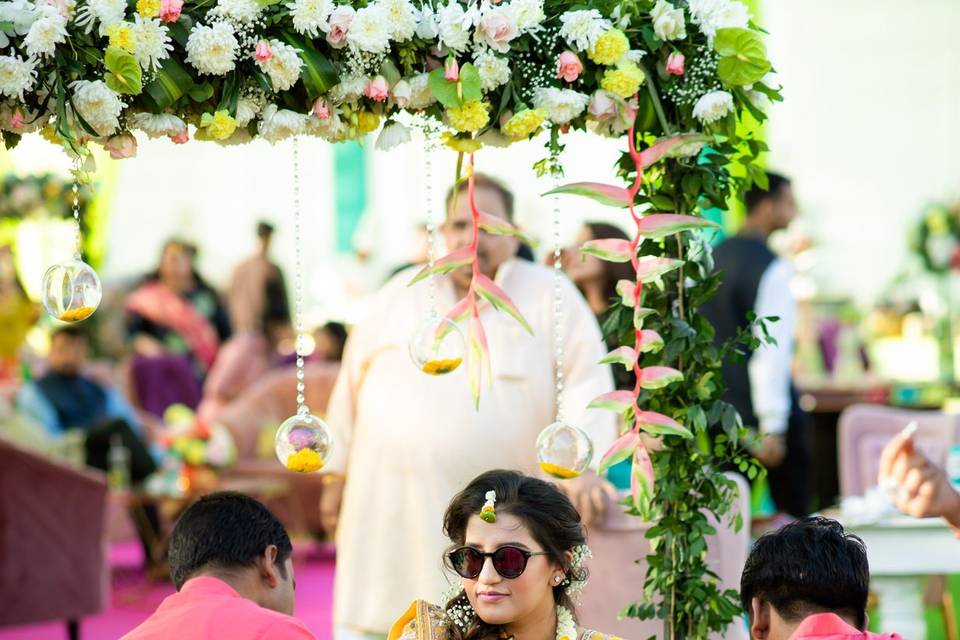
[(53, 561)]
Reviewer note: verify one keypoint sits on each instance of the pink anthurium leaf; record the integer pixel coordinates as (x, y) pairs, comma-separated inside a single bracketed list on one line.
[(652, 268), (659, 377), (492, 293), (621, 355), (661, 425), (666, 146), (498, 226), (659, 225), (478, 358), (446, 264), (641, 477), (650, 341), (603, 193), (626, 289), (619, 451), (639, 315), (618, 401), (609, 249)]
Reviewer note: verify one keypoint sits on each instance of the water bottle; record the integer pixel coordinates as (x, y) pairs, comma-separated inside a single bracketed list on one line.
[(953, 466), (118, 458)]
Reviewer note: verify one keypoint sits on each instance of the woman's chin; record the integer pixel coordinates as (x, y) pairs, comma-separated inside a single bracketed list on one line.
[(496, 613)]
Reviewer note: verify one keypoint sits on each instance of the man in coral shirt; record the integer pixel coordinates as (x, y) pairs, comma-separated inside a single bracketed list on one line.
[(808, 581), (230, 562)]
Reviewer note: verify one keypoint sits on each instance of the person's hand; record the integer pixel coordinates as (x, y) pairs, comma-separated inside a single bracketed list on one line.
[(590, 494), (772, 450), (330, 500), (917, 486)]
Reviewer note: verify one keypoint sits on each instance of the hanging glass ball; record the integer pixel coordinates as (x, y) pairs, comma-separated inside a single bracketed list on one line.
[(437, 347), (564, 451), (71, 291), (303, 443)]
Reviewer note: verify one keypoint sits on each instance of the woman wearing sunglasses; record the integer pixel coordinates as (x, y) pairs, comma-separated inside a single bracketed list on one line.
[(518, 548)]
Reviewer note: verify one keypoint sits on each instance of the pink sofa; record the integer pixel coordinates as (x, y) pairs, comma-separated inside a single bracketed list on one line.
[(53, 561)]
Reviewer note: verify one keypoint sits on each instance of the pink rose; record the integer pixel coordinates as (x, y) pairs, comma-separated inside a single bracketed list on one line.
[(263, 51), (401, 94), (339, 25), (121, 146), (569, 66), (321, 109), (498, 27), (451, 70), (170, 10), (16, 120), (675, 63), (181, 138), (602, 106), (377, 89)]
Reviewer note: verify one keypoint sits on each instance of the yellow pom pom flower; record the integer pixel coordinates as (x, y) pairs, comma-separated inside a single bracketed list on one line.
[(461, 145), (610, 47), (122, 37), (472, 116), (305, 461), (220, 125), (367, 122), (524, 124), (148, 8), (624, 80)]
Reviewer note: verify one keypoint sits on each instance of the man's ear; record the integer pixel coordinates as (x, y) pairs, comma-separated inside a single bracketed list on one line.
[(759, 619), (267, 566)]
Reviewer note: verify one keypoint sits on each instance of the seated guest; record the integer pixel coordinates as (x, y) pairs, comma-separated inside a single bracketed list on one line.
[(808, 580), (230, 562)]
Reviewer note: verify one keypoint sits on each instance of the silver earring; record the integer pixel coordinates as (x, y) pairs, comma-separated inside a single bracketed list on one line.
[(557, 579)]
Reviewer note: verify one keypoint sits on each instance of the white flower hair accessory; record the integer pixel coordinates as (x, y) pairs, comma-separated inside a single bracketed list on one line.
[(488, 512), (573, 588)]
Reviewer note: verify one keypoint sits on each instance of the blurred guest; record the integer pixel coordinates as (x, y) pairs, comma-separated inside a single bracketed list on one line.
[(810, 579), (230, 562), (17, 313), (257, 296), (176, 324), (330, 340), (918, 487), (754, 279)]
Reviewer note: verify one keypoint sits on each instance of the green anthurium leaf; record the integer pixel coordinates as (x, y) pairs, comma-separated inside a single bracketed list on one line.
[(318, 73), (389, 71), (201, 92), (470, 83), (743, 56), (170, 84), (445, 91), (123, 72)]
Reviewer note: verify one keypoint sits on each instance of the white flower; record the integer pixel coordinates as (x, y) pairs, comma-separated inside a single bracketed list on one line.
[(16, 76), (454, 24), (713, 106), (20, 14), (561, 105), (403, 18), (47, 31), (157, 125), (106, 12), (350, 88), (497, 27), (278, 124), (310, 16), (566, 625), (212, 50), (370, 30), (711, 15), (283, 66), (331, 129), (668, 21), (98, 105), (152, 42), (582, 28), (237, 11), (529, 14), (494, 70), (392, 135), (427, 23), (247, 110), (420, 95)]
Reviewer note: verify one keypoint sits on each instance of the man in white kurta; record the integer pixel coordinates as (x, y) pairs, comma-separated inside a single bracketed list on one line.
[(407, 442)]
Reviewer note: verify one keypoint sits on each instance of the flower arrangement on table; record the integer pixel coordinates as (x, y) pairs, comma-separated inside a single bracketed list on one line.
[(194, 450), (936, 237)]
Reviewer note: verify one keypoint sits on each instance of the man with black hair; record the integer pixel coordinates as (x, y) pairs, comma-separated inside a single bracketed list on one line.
[(759, 386), (809, 579), (230, 562)]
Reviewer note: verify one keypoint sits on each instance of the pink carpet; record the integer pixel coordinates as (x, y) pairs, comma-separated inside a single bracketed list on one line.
[(133, 598)]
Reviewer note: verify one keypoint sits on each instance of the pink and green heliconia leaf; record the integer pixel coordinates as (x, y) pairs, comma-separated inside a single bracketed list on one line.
[(639, 315), (658, 377), (450, 262), (661, 425), (492, 293), (650, 341), (652, 268), (618, 401), (659, 225), (607, 194), (621, 355), (609, 249), (620, 450), (498, 226), (478, 358), (458, 314), (641, 477), (626, 289), (664, 146)]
